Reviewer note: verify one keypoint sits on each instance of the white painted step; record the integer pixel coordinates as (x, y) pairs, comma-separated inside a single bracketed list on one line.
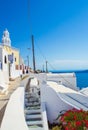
[(33, 100), (33, 108), (31, 104), (26, 93), (39, 128), (33, 116), (33, 111), (34, 122)]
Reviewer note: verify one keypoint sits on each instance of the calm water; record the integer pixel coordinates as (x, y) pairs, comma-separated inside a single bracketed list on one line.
[(82, 78)]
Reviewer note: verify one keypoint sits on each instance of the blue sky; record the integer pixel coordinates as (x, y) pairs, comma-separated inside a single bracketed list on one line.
[(60, 29)]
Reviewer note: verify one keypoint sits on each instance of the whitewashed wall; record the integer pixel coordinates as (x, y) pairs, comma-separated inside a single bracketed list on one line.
[(54, 105), (15, 73), (14, 118), (5, 66), (4, 79), (0, 54), (67, 79), (4, 75)]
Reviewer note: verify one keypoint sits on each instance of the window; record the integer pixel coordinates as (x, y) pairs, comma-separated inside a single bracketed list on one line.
[(0, 65), (5, 59), (15, 59)]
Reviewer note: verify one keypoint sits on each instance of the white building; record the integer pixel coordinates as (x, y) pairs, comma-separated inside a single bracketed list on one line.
[(9, 61), (4, 70)]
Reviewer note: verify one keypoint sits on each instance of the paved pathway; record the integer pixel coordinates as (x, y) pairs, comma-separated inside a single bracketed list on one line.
[(4, 98), (11, 88)]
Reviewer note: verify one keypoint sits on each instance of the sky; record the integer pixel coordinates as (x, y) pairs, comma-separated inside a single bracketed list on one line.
[(60, 29)]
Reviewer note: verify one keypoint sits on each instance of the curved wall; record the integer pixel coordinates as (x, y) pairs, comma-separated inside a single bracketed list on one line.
[(54, 105), (14, 115)]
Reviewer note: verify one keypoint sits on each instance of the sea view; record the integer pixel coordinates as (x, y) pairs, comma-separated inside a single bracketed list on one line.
[(81, 77), (43, 64)]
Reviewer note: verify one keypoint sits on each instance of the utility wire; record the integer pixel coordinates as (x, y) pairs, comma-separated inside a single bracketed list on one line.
[(52, 65), (29, 19), (41, 52)]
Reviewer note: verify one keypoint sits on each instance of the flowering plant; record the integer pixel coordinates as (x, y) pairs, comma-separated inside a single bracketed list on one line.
[(73, 120)]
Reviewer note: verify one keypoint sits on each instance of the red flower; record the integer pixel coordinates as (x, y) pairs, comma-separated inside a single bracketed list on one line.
[(78, 123), (66, 128), (75, 117), (86, 123)]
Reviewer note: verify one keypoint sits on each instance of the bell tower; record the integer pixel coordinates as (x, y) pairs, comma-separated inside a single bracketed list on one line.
[(6, 38)]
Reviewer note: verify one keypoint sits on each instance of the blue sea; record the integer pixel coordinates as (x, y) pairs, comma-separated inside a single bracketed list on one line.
[(81, 76)]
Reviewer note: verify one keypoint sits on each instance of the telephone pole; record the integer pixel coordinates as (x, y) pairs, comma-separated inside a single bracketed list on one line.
[(33, 53), (28, 60), (43, 69), (28, 57), (46, 67)]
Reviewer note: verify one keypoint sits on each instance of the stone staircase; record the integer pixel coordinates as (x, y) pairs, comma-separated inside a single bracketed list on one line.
[(33, 112)]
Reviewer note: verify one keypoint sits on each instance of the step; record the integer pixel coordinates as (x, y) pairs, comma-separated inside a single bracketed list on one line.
[(33, 108), (30, 123), (33, 100), (33, 111), (27, 96), (31, 104), (33, 116), (37, 128), (26, 93), (34, 119)]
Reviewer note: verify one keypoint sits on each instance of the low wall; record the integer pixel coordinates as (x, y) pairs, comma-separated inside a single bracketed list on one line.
[(67, 79), (4, 79), (54, 105), (16, 73), (14, 115)]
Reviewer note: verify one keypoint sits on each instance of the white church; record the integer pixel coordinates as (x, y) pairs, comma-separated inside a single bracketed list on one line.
[(11, 64)]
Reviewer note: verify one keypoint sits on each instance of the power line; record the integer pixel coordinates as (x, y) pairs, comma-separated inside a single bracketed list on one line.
[(29, 19), (52, 66), (42, 54)]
